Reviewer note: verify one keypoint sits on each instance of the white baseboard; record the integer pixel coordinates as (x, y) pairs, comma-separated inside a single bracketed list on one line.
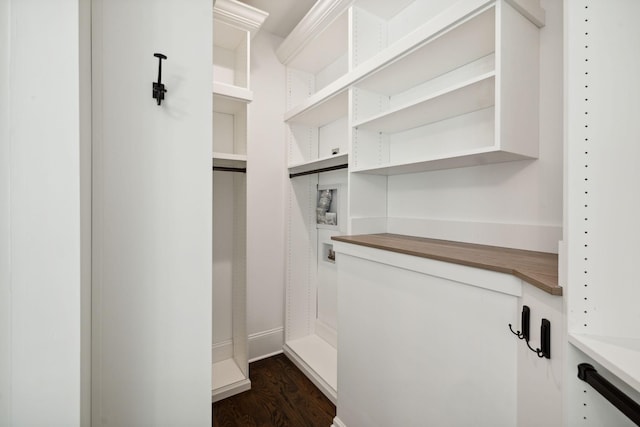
[(265, 344), (533, 237), (230, 390), (338, 423)]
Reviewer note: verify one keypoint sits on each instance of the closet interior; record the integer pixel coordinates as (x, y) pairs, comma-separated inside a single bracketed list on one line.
[(234, 24)]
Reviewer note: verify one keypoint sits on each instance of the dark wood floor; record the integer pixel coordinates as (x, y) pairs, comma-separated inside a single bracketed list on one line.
[(280, 396)]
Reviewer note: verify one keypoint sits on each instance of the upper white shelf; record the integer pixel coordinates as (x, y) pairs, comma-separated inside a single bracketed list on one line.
[(468, 96), (404, 64), (320, 113), (317, 164), (621, 356), (439, 46), (234, 92)]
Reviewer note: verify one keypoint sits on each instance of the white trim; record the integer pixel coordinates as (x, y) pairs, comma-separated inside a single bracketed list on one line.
[(230, 390), (338, 423), (239, 15), (486, 279), (266, 343), (321, 15)]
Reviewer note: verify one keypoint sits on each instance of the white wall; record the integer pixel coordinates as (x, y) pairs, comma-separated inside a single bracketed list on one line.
[(525, 192), (5, 243), (266, 199), (152, 199), (42, 242)]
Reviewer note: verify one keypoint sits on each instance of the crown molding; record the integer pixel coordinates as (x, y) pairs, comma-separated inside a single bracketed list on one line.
[(321, 15), (239, 15)]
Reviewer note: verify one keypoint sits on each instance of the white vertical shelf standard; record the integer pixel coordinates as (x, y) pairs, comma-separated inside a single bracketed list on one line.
[(601, 212)]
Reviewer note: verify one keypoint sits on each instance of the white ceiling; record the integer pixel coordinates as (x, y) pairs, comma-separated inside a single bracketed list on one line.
[(283, 14)]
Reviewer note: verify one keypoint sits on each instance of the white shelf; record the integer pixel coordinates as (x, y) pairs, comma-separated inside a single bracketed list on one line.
[(227, 380), (322, 108), (230, 160), (468, 96), (403, 65), (621, 356), (439, 46), (449, 161), (318, 360), (325, 162), (238, 93)]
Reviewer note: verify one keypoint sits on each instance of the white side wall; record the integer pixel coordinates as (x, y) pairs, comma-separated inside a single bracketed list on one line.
[(42, 288), (5, 243), (456, 203), (152, 198), (266, 199)]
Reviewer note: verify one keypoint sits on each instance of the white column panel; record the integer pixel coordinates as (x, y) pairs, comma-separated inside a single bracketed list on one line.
[(266, 206), (5, 224), (44, 71), (152, 214)]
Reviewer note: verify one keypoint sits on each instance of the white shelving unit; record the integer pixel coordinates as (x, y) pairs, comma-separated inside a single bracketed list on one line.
[(234, 25), (394, 88), (603, 324), (461, 96)]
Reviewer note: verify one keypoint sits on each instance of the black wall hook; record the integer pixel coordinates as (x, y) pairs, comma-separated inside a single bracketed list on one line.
[(524, 324), (158, 87), (545, 334), (545, 340)]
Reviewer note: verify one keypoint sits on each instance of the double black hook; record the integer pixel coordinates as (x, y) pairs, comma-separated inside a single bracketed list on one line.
[(545, 334), (158, 87)]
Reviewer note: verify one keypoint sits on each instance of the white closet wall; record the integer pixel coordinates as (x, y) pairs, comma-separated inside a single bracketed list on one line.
[(45, 252), (266, 200)]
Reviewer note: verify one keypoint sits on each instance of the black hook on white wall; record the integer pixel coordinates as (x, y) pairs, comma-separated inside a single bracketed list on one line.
[(158, 87), (545, 334), (524, 324)]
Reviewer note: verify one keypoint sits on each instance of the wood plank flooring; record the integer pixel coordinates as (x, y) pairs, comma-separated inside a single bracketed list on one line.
[(280, 396)]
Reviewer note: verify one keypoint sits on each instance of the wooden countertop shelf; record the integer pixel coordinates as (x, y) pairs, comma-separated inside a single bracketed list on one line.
[(540, 269)]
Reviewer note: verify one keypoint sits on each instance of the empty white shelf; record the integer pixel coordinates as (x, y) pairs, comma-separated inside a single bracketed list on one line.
[(318, 359), (322, 163)]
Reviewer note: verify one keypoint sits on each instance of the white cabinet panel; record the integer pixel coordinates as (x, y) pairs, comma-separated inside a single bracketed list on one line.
[(417, 349)]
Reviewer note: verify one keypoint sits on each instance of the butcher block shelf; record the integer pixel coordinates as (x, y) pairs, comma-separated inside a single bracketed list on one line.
[(539, 269)]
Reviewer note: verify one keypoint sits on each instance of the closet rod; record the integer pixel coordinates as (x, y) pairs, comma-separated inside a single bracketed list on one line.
[(613, 394), (229, 169), (327, 169)]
